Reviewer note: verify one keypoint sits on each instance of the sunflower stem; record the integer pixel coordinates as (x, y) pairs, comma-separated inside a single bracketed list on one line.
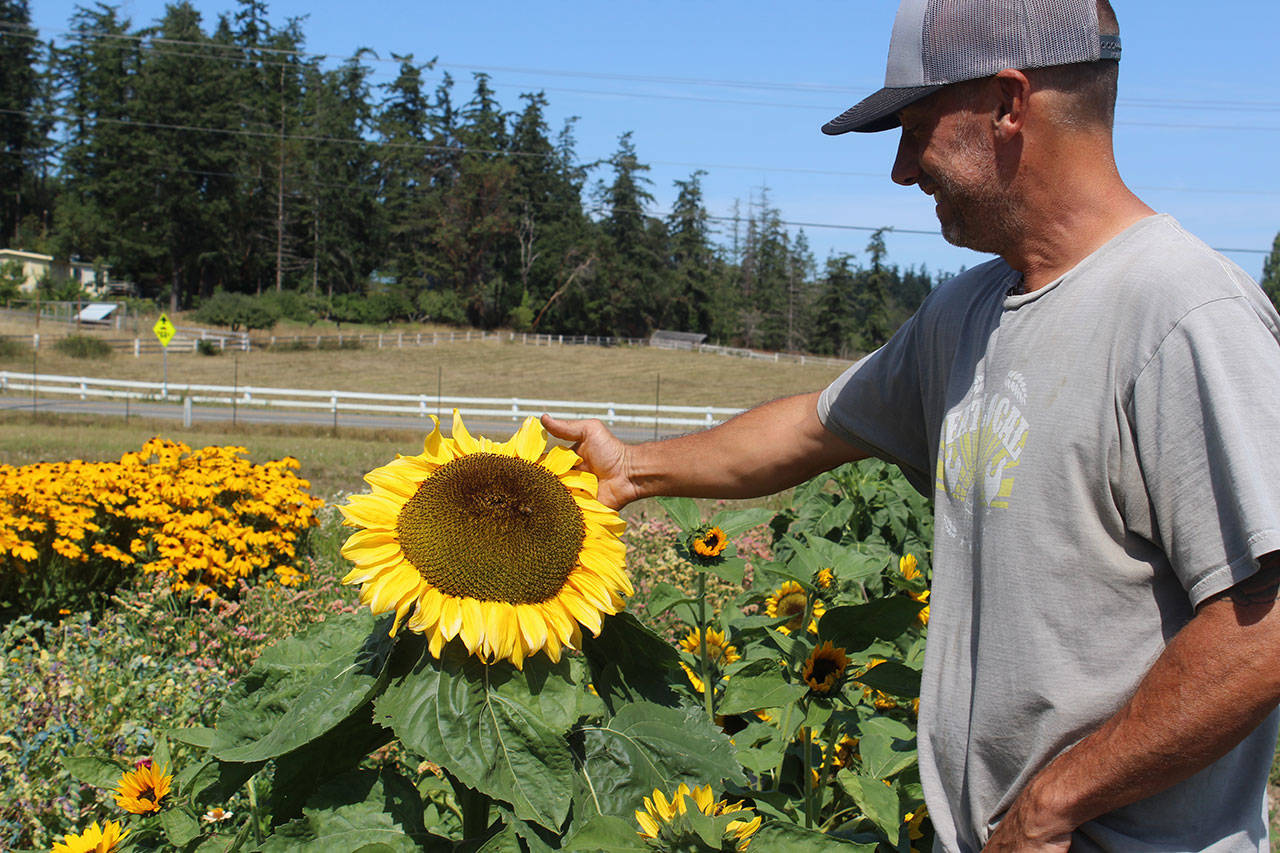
[(808, 782), (709, 689), (786, 727)]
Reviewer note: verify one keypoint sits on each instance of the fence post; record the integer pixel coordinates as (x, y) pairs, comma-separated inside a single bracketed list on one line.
[(419, 338), (379, 340), (82, 394), (400, 340), (562, 340), (186, 412), (611, 415), (35, 341), (515, 409), (708, 416), (137, 348), (422, 405)]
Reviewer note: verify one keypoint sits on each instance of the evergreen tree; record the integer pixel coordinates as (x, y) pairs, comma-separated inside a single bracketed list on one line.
[(1271, 273), (693, 264), (19, 92)]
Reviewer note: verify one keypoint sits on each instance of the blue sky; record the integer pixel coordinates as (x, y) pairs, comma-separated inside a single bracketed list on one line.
[(740, 90)]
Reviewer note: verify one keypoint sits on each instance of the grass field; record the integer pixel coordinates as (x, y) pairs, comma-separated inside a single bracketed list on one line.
[(490, 368), (334, 463)]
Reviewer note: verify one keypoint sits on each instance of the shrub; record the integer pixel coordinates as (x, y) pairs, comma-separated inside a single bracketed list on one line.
[(346, 342), (292, 305), (443, 306), (204, 346), (70, 532), (83, 346), (10, 348), (236, 311)]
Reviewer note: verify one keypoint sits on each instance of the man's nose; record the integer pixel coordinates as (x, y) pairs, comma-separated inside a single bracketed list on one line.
[(906, 166)]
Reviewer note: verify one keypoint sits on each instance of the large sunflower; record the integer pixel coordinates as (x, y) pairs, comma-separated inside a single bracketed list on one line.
[(95, 839), (789, 600), (142, 790), (502, 544)]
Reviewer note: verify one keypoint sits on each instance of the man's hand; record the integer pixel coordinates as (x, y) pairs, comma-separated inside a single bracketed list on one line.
[(602, 454), (1022, 829)]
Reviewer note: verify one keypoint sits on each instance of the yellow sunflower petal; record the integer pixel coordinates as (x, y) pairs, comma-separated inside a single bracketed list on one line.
[(559, 460), (450, 618), (372, 545), (584, 480), (529, 441), (473, 626), (461, 437), (371, 510), (532, 626)]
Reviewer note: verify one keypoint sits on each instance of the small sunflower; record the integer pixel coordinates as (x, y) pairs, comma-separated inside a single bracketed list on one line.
[(789, 600), (907, 567), (502, 544), (707, 543), (825, 578), (143, 789), (660, 813), (923, 598), (95, 839), (719, 651), (825, 666)]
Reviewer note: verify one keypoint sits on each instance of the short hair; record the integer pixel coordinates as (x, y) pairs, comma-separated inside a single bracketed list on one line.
[(1089, 87)]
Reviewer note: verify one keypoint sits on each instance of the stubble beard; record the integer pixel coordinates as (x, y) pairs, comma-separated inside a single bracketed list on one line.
[(974, 210)]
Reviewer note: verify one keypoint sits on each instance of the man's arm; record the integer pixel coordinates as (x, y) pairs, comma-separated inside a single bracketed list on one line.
[(1213, 685), (759, 452)]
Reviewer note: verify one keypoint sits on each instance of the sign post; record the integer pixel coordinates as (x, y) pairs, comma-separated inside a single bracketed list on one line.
[(164, 333)]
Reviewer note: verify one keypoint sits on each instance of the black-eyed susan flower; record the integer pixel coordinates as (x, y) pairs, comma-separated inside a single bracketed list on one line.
[(659, 814), (501, 544), (790, 600), (706, 544), (824, 667), (143, 789), (95, 839)]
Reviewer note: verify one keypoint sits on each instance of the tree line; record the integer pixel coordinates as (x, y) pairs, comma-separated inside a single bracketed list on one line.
[(201, 162)]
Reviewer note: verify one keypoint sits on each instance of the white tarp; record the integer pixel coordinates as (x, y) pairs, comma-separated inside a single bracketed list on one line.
[(96, 312)]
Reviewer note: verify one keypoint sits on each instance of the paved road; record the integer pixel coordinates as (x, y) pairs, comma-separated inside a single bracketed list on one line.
[(495, 427)]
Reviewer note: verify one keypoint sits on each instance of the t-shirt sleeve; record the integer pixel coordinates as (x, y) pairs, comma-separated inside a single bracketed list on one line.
[(877, 405), (1205, 415)]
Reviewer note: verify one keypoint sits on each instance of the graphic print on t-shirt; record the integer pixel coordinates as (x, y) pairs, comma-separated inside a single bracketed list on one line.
[(982, 439)]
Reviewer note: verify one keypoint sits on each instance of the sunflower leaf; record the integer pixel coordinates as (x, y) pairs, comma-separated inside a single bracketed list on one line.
[(882, 757), (731, 569), (857, 626), (647, 746), (93, 770), (784, 835), (893, 677), (878, 801), (607, 834), (301, 688), (760, 685), (364, 810), (488, 729), (683, 511), (735, 522), (180, 827), (630, 662)]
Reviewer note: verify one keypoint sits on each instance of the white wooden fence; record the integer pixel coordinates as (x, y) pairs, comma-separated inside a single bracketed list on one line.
[(360, 402)]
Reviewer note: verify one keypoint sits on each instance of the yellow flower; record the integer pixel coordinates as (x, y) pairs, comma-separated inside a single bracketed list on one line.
[(907, 567), (923, 598), (142, 790), (719, 651), (708, 542), (502, 544), (95, 839), (789, 600), (825, 666), (659, 813), (825, 578)]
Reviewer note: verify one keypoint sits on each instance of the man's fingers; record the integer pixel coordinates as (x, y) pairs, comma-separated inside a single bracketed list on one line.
[(565, 430)]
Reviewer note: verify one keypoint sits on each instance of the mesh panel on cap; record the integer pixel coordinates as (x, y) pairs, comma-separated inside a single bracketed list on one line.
[(964, 40)]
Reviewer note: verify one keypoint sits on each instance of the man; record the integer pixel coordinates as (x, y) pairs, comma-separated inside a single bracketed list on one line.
[(1092, 413)]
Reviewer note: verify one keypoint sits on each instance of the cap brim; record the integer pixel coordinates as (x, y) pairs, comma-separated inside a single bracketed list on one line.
[(878, 111)]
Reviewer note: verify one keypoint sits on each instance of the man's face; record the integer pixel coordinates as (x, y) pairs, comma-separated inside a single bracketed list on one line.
[(947, 151)]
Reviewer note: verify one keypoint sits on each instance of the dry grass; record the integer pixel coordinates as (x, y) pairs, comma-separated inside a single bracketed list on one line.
[(335, 463), (491, 368)]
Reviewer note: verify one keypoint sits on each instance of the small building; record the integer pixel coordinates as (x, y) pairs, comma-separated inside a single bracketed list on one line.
[(676, 340), (93, 278)]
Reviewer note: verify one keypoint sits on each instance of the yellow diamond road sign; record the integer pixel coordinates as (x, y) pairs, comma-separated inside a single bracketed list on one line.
[(164, 330)]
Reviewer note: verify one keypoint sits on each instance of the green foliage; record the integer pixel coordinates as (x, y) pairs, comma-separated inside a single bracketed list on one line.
[(237, 311), (11, 279), (83, 346), (12, 349), (204, 346)]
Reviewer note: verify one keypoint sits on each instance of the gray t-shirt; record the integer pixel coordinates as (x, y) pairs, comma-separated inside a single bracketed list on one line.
[(1102, 457)]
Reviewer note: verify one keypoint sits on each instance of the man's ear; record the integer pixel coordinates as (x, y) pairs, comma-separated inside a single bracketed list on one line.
[(1014, 92)]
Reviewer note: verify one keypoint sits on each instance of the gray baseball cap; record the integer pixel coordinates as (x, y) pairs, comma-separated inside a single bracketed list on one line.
[(937, 42)]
